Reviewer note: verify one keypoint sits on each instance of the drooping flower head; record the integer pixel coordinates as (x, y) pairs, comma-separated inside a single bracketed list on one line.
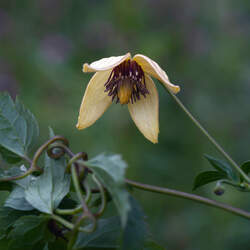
[(125, 80)]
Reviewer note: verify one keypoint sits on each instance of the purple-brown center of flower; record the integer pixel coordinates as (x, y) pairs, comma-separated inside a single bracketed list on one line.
[(126, 82)]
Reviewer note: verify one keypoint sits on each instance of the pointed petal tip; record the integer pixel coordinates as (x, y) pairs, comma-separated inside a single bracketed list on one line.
[(154, 140), (176, 89), (78, 126), (85, 68)]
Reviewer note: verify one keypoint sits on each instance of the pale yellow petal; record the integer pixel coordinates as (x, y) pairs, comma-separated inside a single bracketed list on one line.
[(105, 63), (152, 68), (95, 101), (145, 112)]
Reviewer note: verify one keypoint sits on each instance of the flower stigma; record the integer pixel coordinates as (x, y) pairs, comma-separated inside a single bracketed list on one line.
[(126, 83)]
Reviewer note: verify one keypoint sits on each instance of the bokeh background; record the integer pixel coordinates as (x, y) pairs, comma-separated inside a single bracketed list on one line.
[(203, 46)]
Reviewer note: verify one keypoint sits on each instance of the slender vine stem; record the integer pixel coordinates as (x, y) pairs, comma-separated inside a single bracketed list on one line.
[(189, 196), (103, 196), (76, 210), (211, 139)]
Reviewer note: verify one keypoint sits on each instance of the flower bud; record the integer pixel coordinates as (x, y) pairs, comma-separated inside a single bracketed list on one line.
[(219, 189)]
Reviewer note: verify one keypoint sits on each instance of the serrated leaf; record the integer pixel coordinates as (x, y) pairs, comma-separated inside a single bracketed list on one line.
[(50, 188), (16, 200), (223, 167), (27, 231), (135, 232), (31, 122), (110, 170), (13, 128), (207, 177), (18, 128), (105, 236)]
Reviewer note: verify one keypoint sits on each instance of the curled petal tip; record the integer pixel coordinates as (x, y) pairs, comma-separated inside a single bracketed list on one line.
[(85, 68), (176, 89)]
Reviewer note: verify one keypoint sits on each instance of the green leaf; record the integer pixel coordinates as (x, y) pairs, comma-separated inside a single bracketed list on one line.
[(18, 128), (3, 196), (246, 167), (135, 232), (207, 177), (4, 242), (32, 125), (110, 170), (46, 247), (151, 245), (8, 216), (15, 171), (17, 200), (47, 191), (105, 236), (223, 167), (8, 156), (13, 128), (25, 224), (27, 231)]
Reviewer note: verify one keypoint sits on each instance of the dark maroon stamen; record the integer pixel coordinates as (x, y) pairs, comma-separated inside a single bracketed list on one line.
[(128, 72)]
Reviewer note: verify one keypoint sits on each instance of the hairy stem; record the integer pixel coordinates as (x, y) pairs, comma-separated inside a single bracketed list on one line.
[(193, 197)]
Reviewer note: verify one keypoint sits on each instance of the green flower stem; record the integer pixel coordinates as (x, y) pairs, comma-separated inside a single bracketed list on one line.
[(242, 186), (193, 197), (76, 210), (212, 140)]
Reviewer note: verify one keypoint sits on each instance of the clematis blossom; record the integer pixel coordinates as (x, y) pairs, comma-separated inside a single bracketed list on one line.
[(125, 80)]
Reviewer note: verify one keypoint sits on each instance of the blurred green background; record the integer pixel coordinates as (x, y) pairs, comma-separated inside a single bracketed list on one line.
[(203, 46)]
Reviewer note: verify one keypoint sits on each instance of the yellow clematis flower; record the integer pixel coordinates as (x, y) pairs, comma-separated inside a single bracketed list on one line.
[(125, 80)]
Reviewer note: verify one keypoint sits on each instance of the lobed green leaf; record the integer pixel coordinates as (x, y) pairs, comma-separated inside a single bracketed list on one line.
[(50, 188), (18, 129), (17, 200)]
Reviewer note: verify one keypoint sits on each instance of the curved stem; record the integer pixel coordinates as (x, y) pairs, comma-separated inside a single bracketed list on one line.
[(78, 189), (188, 196), (44, 147), (212, 140), (64, 222), (76, 210), (13, 178), (103, 196)]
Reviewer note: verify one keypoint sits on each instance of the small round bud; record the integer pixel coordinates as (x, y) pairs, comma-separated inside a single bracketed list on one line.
[(219, 189)]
